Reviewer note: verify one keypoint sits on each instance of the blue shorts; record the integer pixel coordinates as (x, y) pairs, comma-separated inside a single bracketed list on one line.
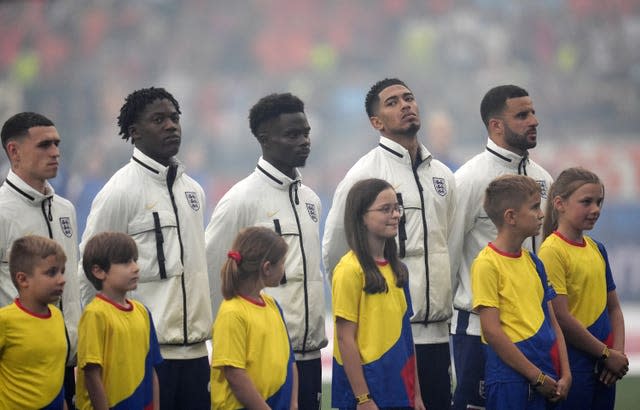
[(515, 396), (468, 359), (587, 392)]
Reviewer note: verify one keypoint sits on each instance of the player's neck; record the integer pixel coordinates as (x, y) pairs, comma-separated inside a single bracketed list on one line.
[(115, 296), (410, 143), (508, 242), (573, 235), (35, 183), (251, 289), (34, 306)]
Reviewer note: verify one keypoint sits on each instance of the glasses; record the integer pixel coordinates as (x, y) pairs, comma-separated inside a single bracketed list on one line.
[(389, 209)]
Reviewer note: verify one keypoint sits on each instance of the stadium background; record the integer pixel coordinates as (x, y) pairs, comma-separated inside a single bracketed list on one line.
[(76, 60)]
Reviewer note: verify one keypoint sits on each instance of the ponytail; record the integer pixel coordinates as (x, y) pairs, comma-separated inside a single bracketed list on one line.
[(251, 248)]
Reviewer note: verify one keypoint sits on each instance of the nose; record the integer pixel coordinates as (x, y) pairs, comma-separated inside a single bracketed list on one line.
[(534, 120), (54, 151), (62, 281), (170, 124)]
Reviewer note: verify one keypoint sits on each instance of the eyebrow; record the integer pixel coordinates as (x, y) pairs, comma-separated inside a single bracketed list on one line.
[(395, 97)]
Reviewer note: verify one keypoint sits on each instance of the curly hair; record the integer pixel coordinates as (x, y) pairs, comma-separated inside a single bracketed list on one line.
[(271, 106), (373, 96), (136, 102)]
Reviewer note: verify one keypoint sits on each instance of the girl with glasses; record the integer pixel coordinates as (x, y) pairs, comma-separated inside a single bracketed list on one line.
[(374, 357)]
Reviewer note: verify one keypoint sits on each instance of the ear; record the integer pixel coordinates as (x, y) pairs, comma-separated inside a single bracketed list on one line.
[(98, 272), (510, 216), (22, 279), (376, 123), (496, 126), (133, 132), (266, 268), (558, 203), (13, 151), (263, 137)]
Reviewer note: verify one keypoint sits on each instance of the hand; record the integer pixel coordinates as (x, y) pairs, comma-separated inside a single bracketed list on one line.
[(548, 388), (294, 405), (607, 377), (370, 405), (617, 365), (562, 390)]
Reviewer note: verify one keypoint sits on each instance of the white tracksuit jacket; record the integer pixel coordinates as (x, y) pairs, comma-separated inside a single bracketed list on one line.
[(473, 228), (25, 211), (271, 199), (167, 224), (428, 197)]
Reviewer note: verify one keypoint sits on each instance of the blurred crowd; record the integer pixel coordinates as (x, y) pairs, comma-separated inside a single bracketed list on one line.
[(74, 61)]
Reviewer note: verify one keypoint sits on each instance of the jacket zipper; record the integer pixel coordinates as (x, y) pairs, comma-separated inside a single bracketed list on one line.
[(425, 236), (293, 189), (170, 182)]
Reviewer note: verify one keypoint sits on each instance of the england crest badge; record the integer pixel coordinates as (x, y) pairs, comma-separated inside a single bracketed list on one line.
[(543, 188), (440, 186), (192, 199), (65, 226), (311, 208)]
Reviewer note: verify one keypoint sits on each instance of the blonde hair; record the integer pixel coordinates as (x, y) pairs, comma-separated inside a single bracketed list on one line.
[(507, 192), (28, 251), (566, 184), (251, 248)]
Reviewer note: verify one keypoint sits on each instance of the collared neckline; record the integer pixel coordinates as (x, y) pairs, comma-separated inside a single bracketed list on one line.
[(274, 176), (25, 191), (401, 153), (509, 158), (153, 167)]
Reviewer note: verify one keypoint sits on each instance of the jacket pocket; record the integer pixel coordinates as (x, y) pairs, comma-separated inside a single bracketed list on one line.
[(156, 235)]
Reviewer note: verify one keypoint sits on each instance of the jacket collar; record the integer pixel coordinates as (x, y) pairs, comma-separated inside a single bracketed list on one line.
[(153, 168), (274, 177), (25, 191), (400, 153), (506, 157)]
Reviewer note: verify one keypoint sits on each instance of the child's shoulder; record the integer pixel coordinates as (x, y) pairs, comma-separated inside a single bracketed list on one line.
[(349, 263), (136, 304)]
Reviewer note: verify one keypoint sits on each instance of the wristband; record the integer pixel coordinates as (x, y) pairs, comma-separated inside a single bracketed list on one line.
[(605, 353), (540, 380), (363, 398)]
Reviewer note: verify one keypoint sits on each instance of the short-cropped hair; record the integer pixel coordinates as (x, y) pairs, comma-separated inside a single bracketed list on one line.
[(372, 99), (272, 106), (104, 249), (28, 251), (18, 126), (508, 192)]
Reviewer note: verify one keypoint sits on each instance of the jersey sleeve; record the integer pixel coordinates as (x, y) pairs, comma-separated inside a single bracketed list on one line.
[(484, 283), (346, 290), (154, 346), (3, 336), (555, 266), (611, 285), (91, 336), (549, 291), (229, 340)]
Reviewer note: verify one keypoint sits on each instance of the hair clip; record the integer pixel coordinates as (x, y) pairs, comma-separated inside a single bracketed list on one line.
[(235, 255)]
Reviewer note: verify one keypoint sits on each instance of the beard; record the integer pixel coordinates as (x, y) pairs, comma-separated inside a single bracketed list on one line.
[(410, 131), (518, 141)]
